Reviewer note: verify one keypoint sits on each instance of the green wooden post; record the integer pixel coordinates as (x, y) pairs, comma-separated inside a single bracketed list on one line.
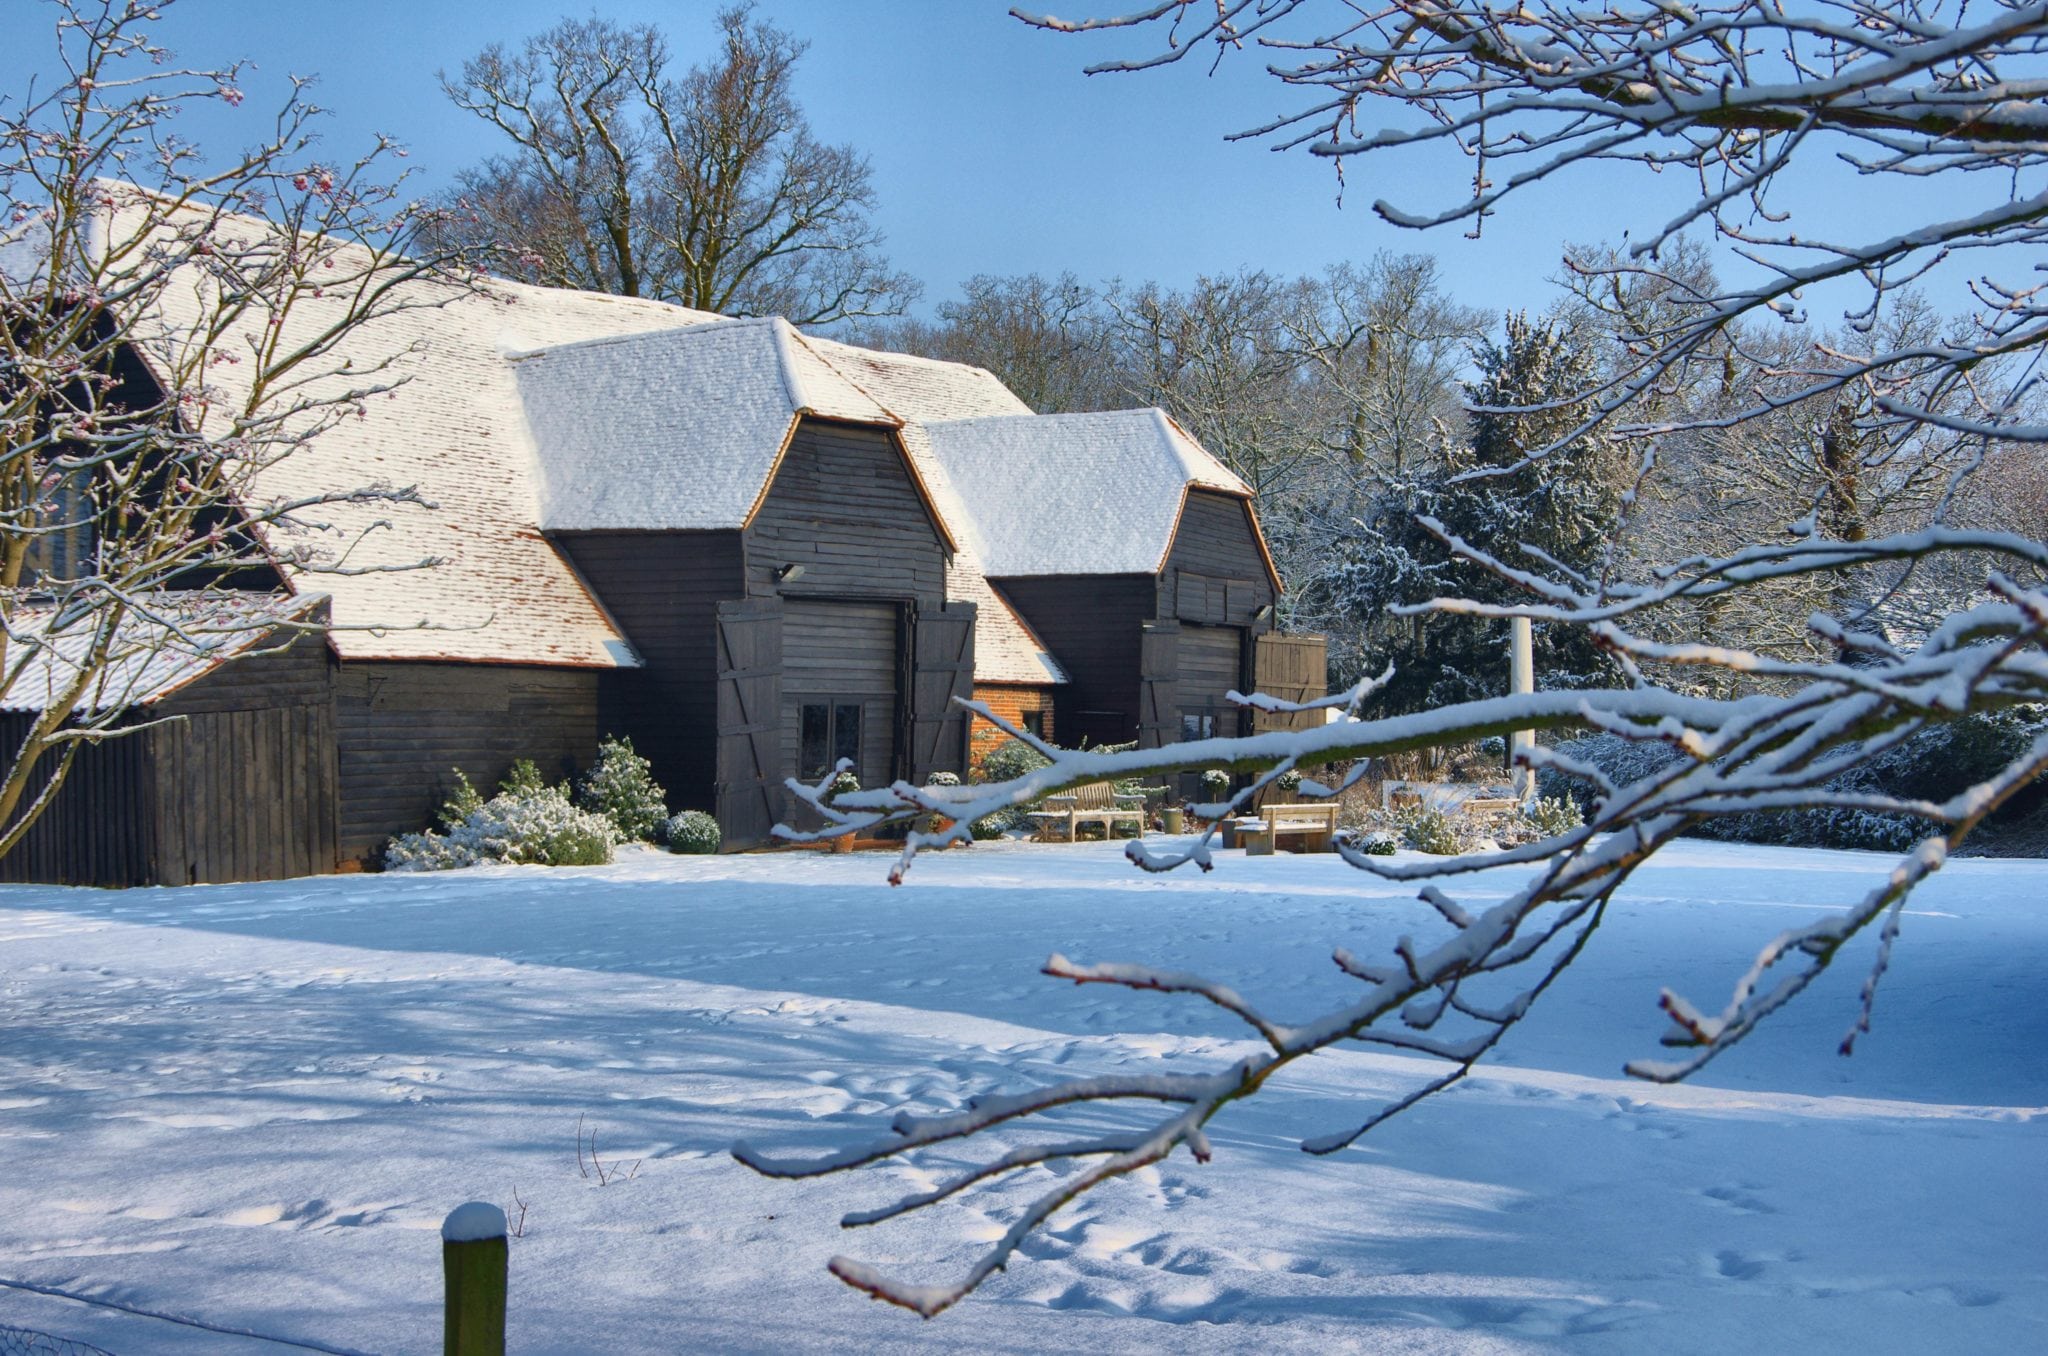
[(473, 1256)]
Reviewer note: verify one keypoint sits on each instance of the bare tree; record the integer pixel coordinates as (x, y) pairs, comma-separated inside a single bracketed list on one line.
[(165, 346), (710, 191), (1734, 94), (1048, 339)]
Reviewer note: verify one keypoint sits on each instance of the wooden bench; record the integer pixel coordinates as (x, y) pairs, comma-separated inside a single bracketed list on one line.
[(1314, 825), (1096, 803)]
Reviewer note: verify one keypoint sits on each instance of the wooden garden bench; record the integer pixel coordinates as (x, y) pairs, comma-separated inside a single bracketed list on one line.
[(1314, 825), (1096, 803)]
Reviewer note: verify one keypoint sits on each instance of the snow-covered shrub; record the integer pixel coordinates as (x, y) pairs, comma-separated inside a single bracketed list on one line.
[(1376, 845), (524, 777), (1552, 815), (943, 779), (1215, 783), (466, 801), (621, 787), (532, 827), (692, 831), (1009, 760), (1288, 781), (1429, 829)]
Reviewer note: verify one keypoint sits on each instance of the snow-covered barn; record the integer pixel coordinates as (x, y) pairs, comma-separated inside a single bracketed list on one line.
[(751, 550)]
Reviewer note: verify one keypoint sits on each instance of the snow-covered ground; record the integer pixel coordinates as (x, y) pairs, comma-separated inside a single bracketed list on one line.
[(253, 1104)]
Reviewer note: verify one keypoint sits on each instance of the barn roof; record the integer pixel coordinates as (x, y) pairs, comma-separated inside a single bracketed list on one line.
[(515, 410), (676, 430), (172, 640), (1054, 494), (920, 391), (451, 427)]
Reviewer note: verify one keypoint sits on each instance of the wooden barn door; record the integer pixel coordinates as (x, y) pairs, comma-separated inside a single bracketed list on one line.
[(1159, 685), (942, 668), (750, 795), (1294, 669)]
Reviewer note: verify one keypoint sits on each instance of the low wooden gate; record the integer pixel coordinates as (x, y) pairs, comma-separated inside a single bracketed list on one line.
[(750, 793)]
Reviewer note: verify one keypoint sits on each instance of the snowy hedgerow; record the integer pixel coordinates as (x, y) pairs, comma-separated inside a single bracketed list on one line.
[(692, 832), (534, 827), (622, 789)]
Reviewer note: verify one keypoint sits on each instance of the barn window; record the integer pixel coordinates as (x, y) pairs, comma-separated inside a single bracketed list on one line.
[(826, 733), (1197, 724), (1034, 723)]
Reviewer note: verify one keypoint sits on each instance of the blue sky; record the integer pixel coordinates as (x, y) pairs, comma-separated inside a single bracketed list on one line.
[(992, 152)]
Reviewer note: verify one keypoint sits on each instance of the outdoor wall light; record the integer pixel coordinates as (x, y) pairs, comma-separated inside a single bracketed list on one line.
[(1263, 615), (789, 574)]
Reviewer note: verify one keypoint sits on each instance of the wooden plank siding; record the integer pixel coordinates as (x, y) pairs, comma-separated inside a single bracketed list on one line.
[(663, 589), (1215, 574), (1092, 623), (843, 507), (241, 787), (100, 828), (402, 728)]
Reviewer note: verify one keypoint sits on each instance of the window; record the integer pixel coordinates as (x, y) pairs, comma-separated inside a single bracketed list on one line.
[(1197, 725), (1034, 723), (826, 732)]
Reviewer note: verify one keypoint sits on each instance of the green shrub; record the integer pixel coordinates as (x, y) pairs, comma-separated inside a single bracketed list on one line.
[(990, 826), (1215, 783), (1550, 816), (692, 832), (1009, 760), (1428, 829), (524, 777), (1379, 845), (943, 779), (466, 801), (621, 787), (1289, 781), (517, 826)]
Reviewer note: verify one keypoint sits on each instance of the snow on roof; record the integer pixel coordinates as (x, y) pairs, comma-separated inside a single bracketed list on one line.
[(921, 390), (677, 430), (453, 428), (176, 639), (1075, 493)]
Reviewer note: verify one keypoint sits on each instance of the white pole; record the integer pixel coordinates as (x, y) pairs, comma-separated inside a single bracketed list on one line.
[(1522, 680)]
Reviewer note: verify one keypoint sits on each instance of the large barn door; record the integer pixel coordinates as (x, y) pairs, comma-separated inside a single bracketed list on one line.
[(1159, 685), (942, 659), (750, 792), (1294, 669)]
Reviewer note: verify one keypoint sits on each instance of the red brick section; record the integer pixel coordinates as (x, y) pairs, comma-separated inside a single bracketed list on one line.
[(1011, 702)]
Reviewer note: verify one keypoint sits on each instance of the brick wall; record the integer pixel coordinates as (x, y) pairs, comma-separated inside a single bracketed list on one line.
[(1011, 703)]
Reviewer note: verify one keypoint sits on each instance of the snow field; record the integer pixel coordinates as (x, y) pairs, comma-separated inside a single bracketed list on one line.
[(255, 1105)]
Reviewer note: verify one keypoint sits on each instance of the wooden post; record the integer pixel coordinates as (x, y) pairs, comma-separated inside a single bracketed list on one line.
[(473, 1257), (1521, 681)]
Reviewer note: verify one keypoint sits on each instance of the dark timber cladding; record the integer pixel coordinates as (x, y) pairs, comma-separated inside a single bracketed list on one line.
[(663, 589), (844, 508), (403, 728), (241, 787), (839, 695), (1092, 623)]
